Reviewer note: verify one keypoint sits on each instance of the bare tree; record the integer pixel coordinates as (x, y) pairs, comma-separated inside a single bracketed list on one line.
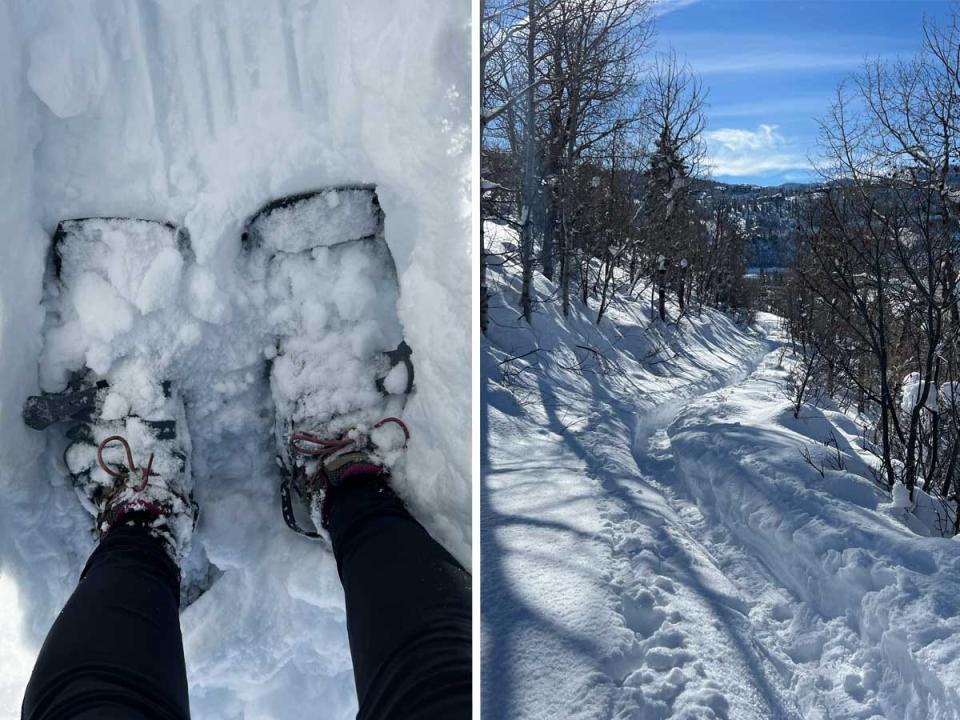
[(511, 79), (878, 252), (594, 46), (561, 77)]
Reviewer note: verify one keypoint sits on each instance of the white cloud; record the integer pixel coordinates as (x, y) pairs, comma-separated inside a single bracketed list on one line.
[(776, 61), (805, 106), (662, 7), (747, 53), (738, 152)]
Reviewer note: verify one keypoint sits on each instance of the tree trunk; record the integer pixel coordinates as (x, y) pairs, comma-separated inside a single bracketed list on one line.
[(526, 262), (662, 297), (483, 283), (529, 180), (566, 260), (885, 401)]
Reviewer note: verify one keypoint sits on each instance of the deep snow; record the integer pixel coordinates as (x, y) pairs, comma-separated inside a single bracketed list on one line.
[(199, 113), (654, 545)]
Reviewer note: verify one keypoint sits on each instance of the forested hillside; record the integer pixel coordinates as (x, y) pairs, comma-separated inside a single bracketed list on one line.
[(721, 440)]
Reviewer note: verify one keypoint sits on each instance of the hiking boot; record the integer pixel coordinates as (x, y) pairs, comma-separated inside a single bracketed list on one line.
[(320, 466)]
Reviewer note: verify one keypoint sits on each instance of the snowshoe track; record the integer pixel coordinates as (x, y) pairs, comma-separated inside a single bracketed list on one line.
[(693, 636)]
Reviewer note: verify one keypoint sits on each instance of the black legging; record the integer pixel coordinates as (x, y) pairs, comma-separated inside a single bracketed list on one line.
[(116, 652)]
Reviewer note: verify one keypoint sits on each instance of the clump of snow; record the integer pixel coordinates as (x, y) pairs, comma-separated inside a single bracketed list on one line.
[(206, 301), (900, 497), (388, 437), (161, 281), (913, 390), (115, 406), (200, 114), (397, 379), (102, 312), (69, 68)]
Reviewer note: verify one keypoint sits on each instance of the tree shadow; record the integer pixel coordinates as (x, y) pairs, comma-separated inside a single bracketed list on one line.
[(505, 615)]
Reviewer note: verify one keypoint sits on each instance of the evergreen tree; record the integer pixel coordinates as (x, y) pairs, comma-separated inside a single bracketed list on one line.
[(669, 217)]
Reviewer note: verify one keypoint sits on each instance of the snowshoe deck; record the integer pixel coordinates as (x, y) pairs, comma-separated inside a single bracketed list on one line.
[(319, 218), (75, 239)]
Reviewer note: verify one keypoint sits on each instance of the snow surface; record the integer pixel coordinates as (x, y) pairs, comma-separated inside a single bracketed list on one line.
[(339, 217), (200, 113), (655, 546)]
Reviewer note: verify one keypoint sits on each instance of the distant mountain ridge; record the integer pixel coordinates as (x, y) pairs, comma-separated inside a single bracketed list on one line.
[(767, 214)]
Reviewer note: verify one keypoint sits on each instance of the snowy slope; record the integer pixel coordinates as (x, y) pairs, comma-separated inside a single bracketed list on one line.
[(200, 112), (655, 547)]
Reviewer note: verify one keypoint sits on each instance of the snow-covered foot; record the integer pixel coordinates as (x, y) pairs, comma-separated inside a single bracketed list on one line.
[(321, 465), (328, 290), (128, 454)]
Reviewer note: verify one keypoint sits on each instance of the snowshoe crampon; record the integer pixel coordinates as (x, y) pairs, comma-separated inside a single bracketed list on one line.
[(330, 291)]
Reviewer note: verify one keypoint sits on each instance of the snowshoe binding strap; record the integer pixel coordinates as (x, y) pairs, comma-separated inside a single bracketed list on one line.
[(400, 355), (325, 447)]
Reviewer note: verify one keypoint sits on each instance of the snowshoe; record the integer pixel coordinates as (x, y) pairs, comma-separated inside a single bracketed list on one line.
[(340, 372), (128, 451)]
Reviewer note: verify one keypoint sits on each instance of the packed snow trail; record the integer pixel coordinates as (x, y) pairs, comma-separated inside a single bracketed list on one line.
[(861, 613), (596, 601), (654, 546), (558, 516), (199, 113)]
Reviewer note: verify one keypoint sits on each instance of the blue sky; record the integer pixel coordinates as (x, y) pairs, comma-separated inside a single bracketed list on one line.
[(771, 67)]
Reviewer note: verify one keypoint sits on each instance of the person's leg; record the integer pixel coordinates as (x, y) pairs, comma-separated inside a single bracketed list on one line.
[(408, 608), (116, 650)]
